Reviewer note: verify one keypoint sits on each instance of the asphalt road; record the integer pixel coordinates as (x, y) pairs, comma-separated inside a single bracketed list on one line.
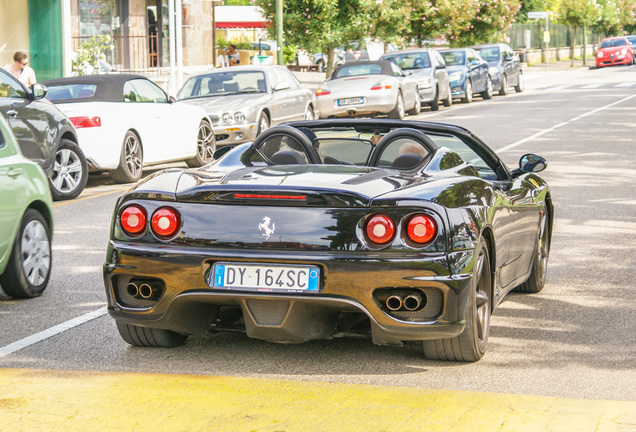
[(575, 339)]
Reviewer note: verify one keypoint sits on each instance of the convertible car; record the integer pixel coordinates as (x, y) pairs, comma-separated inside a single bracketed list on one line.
[(397, 230)]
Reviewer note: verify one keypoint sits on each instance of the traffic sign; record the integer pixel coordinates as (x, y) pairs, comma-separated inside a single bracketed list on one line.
[(538, 15)]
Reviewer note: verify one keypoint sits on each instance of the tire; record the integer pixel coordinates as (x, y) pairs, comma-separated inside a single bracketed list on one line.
[(150, 337), (487, 94), (520, 85), (468, 98), (417, 108), (70, 171), (29, 267), (435, 101), (131, 161), (309, 114), (449, 98), (398, 112), (206, 146), (471, 344), (263, 123), (539, 270), (504, 86)]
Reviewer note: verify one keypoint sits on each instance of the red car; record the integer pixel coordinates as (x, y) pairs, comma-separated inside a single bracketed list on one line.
[(614, 51)]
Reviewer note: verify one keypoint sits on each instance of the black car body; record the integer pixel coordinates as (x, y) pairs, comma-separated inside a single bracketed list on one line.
[(504, 66), (45, 135), (313, 231)]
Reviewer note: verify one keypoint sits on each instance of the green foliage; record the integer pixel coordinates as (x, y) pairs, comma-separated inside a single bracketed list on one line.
[(289, 54), (241, 43), (580, 13), (490, 23), (89, 53)]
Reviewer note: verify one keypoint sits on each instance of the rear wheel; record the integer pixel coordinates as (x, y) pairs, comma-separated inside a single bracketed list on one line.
[(487, 94), (504, 86), (70, 172), (520, 86), (536, 281), (417, 107), (471, 344), (206, 146), (29, 267), (468, 98), (398, 111), (309, 114), (150, 337), (131, 161)]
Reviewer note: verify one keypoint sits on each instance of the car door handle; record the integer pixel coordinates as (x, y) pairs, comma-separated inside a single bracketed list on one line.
[(14, 172), (12, 113)]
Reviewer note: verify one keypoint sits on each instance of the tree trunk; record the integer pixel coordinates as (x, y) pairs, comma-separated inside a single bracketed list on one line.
[(573, 43), (584, 45), (331, 53)]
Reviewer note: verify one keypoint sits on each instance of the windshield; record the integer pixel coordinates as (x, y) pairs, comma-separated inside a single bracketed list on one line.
[(454, 58), (70, 91), (489, 53), (410, 60), (224, 83), (613, 43)]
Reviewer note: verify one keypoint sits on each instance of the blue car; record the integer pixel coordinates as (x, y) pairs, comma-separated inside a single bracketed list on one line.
[(504, 66), (468, 74)]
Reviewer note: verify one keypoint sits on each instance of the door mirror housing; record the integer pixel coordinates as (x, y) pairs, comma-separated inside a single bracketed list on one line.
[(532, 163), (282, 86), (39, 91)]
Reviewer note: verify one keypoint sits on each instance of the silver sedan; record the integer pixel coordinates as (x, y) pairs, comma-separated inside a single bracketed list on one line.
[(369, 88), (243, 101)]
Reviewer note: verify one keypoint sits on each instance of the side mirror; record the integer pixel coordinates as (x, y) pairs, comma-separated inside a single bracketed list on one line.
[(440, 66), (408, 72), (282, 86), (532, 163), (172, 99), (39, 91), (474, 62)]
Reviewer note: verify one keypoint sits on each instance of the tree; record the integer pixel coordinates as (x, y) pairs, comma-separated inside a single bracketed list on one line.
[(580, 14), (387, 20), (444, 19), (490, 23), (316, 25)]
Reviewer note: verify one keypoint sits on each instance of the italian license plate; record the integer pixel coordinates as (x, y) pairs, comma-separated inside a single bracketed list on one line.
[(255, 277), (350, 101)]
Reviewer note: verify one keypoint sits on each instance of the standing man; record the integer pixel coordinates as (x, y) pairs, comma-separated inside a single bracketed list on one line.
[(21, 69)]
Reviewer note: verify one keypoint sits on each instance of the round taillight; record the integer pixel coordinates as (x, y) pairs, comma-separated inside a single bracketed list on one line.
[(380, 229), (165, 222), (133, 220), (421, 229)]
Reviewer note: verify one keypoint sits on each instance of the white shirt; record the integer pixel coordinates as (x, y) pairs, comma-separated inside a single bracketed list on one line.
[(26, 76)]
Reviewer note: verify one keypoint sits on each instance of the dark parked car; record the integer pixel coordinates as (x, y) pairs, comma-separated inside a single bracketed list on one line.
[(45, 135), (429, 71), (313, 230), (505, 69), (468, 74)]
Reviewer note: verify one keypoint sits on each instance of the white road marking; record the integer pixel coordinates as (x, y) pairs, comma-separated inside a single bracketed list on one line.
[(52, 331), (545, 131), (626, 84), (593, 86)]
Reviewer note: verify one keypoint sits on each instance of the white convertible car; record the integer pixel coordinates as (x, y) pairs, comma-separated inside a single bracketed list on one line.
[(126, 122)]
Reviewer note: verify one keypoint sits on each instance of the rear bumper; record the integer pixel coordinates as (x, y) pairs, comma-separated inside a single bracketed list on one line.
[(355, 285)]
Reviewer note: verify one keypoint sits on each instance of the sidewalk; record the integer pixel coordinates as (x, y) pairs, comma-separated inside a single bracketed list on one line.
[(560, 66)]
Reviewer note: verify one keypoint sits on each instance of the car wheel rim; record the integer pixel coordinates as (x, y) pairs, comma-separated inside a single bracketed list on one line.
[(36, 253), (206, 143), (133, 160), (482, 301), (401, 106), (520, 85), (542, 250), (489, 87), (469, 91), (309, 114), (67, 171), (263, 124)]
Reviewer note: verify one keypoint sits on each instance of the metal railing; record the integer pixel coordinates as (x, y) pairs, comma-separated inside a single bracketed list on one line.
[(560, 35)]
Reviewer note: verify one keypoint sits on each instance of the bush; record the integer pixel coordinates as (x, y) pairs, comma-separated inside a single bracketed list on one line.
[(89, 53)]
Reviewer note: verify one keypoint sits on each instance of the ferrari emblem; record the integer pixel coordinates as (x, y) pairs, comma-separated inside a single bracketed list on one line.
[(264, 226)]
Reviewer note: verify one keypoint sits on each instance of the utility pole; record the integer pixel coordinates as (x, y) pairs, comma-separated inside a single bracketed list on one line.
[(279, 32)]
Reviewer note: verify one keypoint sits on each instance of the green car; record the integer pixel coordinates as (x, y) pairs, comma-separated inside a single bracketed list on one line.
[(26, 221)]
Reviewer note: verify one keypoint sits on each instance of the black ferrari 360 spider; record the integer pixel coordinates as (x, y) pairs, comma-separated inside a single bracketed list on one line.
[(400, 230)]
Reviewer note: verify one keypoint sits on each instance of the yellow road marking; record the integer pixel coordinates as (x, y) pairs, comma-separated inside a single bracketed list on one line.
[(60, 203), (32, 400)]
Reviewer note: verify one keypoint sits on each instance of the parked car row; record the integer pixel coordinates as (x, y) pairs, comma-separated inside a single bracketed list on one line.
[(387, 86)]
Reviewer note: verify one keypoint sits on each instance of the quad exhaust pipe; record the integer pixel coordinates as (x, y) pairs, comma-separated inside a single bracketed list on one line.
[(411, 301), (143, 290)]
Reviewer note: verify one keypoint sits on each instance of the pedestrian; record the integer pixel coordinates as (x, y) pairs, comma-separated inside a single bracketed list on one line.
[(233, 57), (21, 70)]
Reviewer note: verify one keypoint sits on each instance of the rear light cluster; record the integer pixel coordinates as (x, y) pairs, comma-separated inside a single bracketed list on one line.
[(165, 222), (85, 122), (322, 92), (381, 86), (418, 230)]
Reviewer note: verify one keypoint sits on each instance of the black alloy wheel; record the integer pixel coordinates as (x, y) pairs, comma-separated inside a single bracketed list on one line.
[(435, 101), (539, 271), (471, 344), (487, 94), (504, 86), (520, 85), (449, 97)]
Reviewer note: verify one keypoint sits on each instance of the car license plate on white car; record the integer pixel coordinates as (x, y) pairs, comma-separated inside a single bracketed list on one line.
[(256, 277), (351, 101)]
